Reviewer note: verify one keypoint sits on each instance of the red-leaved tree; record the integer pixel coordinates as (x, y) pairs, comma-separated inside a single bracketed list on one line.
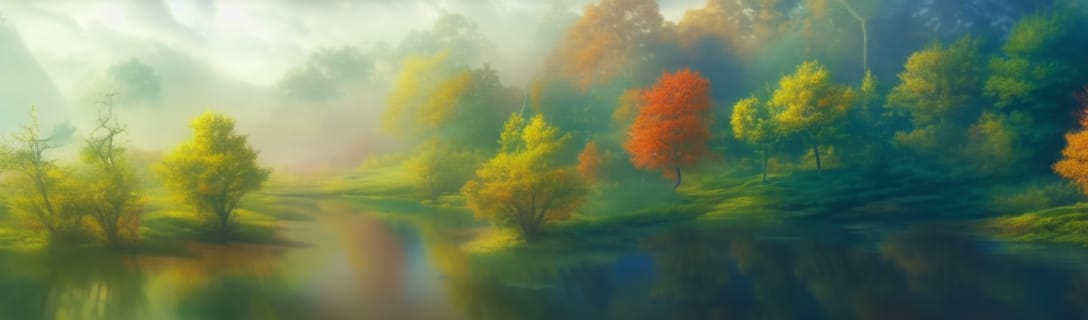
[(673, 124)]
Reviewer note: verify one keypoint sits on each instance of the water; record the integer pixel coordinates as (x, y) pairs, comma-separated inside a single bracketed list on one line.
[(361, 267)]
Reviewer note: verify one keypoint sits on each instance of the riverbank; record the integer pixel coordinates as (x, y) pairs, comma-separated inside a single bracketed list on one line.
[(710, 197)]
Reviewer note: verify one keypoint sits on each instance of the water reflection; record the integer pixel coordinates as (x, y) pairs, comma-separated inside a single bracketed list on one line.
[(698, 274), (363, 267)]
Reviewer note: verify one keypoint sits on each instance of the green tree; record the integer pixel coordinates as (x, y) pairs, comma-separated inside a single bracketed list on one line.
[(111, 183), (753, 122), (42, 191), (1031, 79), (522, 186), (213, 171), (811, 105), (442, 168), (436, 97), (939, 89)]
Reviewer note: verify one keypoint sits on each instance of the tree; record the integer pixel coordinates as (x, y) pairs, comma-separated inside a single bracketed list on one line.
[(811, 105), (213, 171), (1031, 79), (522, 187), (418, 78), (672, 127), (434, 97), (441, 167), (42, 190), (610, 38), (940, 85), (753, 122), (590, 162), (747, 26), (1074, 162), (111, 184)]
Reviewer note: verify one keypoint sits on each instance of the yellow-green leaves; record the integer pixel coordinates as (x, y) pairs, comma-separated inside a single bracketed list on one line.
[(1036, 33), (110, 182), (417, 80), (441, 167), (521, 187), (751, 120), (940, 84), (213, 170), (808, 101), (442, 103)]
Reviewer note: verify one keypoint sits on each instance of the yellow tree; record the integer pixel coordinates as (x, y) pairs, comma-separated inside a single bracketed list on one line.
[(939, 85), (811, 105), (522, 186), (42, 191), (213, 170), (753, 122), (111, 184), (419, 77)]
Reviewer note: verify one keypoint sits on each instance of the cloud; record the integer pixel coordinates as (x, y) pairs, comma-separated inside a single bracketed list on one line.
[(326, 74)]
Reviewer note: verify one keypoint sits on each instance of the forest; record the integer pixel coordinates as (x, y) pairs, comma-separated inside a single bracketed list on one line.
[(755, 159)]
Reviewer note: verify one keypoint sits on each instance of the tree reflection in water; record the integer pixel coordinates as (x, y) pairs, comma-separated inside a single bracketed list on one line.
[(702, 274)]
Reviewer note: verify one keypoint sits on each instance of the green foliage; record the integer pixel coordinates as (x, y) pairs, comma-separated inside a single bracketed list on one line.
[(442, 168), (940, 85), (991, 145), (810, 105), (522, 186), (213, 171), (1032, 79), (437, 97), (1036, 34)]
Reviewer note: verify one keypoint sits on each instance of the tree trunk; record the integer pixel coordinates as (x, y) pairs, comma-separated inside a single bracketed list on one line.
[(678, 178), (764, 163), (816, 151)]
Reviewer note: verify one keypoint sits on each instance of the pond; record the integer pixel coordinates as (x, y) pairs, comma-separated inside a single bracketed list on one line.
[(357, 266)]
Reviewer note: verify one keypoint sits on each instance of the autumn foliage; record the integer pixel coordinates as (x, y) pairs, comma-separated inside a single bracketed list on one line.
[(672, 127), (609, 37), (522, 186), (1074, 162), (590, 161)]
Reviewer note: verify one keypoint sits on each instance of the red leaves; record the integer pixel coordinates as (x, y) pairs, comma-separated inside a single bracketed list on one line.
[(672, 127)]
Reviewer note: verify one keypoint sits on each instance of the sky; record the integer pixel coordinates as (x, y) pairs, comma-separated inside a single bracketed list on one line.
[(229, 56)]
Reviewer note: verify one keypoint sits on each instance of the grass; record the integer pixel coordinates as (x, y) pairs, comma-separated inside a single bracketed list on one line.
[(833, 195), (1067, 224), (622, 212)]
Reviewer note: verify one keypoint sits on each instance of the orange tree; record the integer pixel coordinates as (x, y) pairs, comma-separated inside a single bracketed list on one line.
[(1074, 162), (672, 126)]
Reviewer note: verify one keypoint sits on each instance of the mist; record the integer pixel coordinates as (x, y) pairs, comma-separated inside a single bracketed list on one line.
[(306, 80), (553, 159)]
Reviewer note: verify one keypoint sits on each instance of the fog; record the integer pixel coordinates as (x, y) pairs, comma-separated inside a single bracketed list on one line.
[(261, 62)]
